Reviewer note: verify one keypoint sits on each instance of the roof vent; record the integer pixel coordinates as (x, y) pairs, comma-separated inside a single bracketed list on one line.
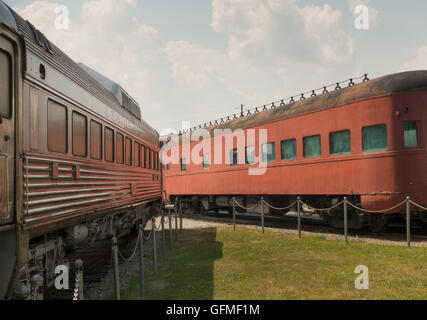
[(41, 40)]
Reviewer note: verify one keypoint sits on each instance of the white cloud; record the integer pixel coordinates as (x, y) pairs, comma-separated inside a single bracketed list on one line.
[(275, 48), (418, 63)]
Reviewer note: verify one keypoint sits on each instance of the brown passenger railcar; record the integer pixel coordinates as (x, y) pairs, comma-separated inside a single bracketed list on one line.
[(77, 162), (366, 142)]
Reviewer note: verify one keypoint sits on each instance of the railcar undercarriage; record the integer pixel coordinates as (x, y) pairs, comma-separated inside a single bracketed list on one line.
[(334, 217), (44, 253)]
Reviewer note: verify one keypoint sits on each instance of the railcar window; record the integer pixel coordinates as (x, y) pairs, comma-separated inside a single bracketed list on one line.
[(95, 140), (269, 152), (168, 167), (340, 142), (109, 145), (183, 165), (410, 135), (153, 161), (79, 134), (148, 158), (5, 85), (250, 155), (128, 149), (157, 162), (206, 161), (137, 160), (143, 159), (312, 147), (119, 148), (375, 138), (57, 128), (234, 157), (289, 149)]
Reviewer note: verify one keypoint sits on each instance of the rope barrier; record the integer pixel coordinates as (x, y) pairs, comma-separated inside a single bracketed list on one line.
[(379, 211), (149, 235), (417, 205), (280, 209), (244, 208), (323, 209)]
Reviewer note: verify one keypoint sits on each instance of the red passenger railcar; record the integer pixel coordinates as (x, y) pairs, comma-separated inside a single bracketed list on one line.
[(77, 162), (366, 142)]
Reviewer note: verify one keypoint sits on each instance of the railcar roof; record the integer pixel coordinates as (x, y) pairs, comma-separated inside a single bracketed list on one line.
[(411, 81), (58, 59)]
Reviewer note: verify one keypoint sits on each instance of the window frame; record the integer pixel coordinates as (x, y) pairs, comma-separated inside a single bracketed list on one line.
[(101, 144), (282, 155), (274, 150), (246, 155), (137, 154), (118, 134), (105, 144), (66, 126), (11, 84), (183, 164), (376, 149), (232, 164), (320, 144), (330, 143), (74, 112), (417, 131), (131, 153), (206, 166)]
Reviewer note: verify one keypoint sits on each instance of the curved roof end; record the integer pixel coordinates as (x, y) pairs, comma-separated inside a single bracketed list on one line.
[(6, 16)]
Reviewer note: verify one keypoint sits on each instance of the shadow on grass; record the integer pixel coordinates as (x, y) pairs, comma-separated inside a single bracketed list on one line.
[(186, 273)]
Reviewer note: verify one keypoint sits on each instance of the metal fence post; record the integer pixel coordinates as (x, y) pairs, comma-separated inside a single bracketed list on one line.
[(176, 225), (408, 221), (163, 235), (141, 260), (234, 213), (262, 214), (299, 217), (170, 228), (153, 228), (180, 218), (345, 220), (116, 268), (79, 267)]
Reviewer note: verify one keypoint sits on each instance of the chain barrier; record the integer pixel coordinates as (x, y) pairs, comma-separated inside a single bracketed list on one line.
[(35, 293), (133, 253), (77, 287)]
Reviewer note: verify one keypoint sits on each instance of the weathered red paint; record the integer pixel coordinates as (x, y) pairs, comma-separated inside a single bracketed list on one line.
[(382, 179)]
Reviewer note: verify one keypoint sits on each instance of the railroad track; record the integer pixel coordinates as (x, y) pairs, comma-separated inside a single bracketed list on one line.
[(309, 224), (97, 263)]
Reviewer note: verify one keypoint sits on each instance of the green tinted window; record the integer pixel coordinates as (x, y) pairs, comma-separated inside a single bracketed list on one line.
[(168, 167), (340, 142), (183, 165), (375, 138), (269, 152), (289, 149), (312, 147), (206, 161), (250, 155), (411, 135), (234, 157)]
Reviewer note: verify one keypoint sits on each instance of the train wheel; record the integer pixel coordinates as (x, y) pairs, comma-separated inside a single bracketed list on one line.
[(378, 222)]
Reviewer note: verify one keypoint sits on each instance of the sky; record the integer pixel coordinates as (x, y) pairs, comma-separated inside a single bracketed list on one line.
[(199, 60)]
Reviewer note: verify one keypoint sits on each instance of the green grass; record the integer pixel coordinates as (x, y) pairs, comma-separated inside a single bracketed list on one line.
[(217, 263)]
